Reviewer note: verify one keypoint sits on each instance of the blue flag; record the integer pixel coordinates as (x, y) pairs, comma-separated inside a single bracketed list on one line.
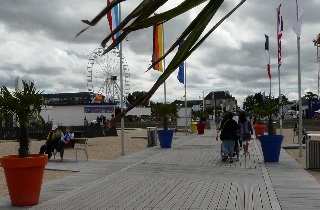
[(181, 67)]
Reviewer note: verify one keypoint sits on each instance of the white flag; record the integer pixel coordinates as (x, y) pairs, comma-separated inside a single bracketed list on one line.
[(297, 27)]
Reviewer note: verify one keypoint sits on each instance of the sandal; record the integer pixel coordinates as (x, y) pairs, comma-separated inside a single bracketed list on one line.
[(224, 158)]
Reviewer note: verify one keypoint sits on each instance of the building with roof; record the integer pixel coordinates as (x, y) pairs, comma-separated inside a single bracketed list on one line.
[(76, 108), (220, 100)]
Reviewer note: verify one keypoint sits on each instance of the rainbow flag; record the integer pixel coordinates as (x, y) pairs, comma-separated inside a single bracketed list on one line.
[(113, 19), (158, 46)]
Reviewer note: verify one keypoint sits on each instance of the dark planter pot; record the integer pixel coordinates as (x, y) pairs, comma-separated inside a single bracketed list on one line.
[(259, 130), (271, 146), (24, 177), (165, 138), (200, 128)]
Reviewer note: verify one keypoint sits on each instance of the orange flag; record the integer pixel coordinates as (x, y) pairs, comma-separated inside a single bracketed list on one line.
[(158, 46)]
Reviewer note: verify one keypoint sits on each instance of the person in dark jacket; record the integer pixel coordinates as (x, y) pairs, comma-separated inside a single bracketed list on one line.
[(229, 136), (52, 141)]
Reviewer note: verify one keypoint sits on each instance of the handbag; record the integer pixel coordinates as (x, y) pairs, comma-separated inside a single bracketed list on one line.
[(223, 135)]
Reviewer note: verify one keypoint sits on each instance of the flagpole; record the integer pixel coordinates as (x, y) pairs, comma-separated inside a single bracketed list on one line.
[(270, 88), (280, 101), (299, 89), (164, 67), (185, 96), (121, 90), (279, 64), (270, 77), (300, 102)]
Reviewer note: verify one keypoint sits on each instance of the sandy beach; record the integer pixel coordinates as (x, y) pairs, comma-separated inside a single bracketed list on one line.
[(109, 148)]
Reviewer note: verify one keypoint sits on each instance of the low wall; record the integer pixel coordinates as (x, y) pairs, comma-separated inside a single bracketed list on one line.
[(80, 131), (158, 124), (308, 124)]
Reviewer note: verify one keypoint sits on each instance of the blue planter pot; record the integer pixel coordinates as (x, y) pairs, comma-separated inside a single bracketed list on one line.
[(271, 146), (165, 138)]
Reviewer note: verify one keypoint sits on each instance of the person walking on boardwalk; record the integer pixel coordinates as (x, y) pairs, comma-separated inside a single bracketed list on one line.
[(217, 121), (229, 136), (245, 132)]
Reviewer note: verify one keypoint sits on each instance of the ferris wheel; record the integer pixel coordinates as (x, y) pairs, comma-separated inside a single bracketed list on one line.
[(103, 75)]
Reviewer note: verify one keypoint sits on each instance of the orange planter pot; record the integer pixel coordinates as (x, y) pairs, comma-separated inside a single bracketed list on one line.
[(259, 130), (24, 178)]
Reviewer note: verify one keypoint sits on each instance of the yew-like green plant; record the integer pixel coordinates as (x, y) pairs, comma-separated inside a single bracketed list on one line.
[(267, 108), (166, 111)]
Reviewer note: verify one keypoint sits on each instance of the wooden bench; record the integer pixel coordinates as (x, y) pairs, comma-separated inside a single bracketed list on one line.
[(80, 144), (296, 134)]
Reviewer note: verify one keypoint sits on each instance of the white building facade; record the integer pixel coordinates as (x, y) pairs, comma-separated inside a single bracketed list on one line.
[(75, 114)]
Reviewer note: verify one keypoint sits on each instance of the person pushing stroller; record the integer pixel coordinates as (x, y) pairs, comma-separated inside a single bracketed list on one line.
[(229, 136)]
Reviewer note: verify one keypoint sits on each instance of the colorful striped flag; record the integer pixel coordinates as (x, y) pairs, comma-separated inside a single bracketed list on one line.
[(267, 53), (180, 76), (279, 29), (113, 19), (297, 27), (158, 46)]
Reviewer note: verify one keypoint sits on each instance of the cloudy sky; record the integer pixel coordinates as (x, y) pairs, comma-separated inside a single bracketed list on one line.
[(37, 43)]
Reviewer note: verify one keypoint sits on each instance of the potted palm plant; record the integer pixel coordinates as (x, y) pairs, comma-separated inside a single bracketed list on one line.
[(24, 172), (250, 105), (166, 111), (271, 143)]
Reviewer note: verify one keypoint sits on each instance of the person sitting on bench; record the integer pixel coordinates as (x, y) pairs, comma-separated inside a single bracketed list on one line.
[(52, 141), (67, 140)]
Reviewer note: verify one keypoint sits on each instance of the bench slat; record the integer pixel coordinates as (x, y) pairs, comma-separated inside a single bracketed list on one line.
[(79, 141)]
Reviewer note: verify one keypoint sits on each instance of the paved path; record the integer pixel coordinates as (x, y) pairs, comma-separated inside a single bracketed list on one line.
[(188, 176)]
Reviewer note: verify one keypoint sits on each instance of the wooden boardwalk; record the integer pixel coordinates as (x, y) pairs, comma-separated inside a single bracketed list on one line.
[(191, 175)]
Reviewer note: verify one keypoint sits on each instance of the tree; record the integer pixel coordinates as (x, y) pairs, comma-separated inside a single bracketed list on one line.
[(143, 17), (135, 95), (310, 96), (251, 101), (166, 111), (24, 106), (267, 108), (316, 41)]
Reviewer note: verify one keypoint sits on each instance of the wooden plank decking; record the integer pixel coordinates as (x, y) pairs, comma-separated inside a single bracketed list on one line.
[(188, 176)]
